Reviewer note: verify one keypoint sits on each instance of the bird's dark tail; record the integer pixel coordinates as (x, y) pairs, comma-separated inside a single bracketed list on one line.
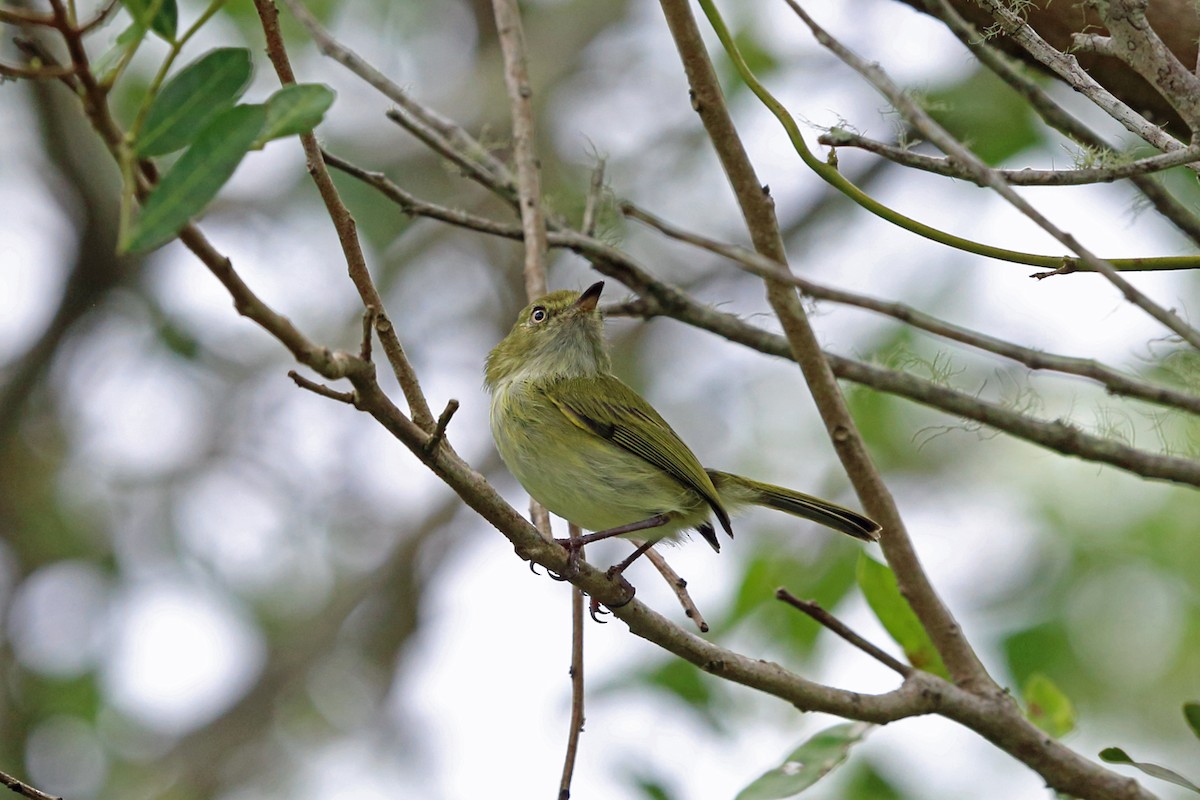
[(736, 490)]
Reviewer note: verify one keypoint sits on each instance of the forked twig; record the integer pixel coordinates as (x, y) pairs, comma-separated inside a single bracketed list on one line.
[(814, 610), (679, 586)]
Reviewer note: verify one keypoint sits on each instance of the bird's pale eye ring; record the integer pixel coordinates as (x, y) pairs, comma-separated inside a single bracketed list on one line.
[(538, 314)]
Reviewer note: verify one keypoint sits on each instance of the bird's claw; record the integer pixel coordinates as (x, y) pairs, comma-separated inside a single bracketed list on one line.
[(595, 611)]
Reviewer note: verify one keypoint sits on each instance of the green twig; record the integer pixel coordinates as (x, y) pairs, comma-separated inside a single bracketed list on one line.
[(829, 173)]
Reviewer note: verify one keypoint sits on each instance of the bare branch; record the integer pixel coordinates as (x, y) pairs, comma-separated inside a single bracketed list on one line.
[(1014, 74), (439, 431), (1132, 40), (347, 231), (35, 73), (1056, 435), (319, 388), (1113, 381), (529, 185), (1067, 68), (21, 17), (416, 207), (758, 211), (813, 609), (447, 137), (24, 789), (1014, 177), (577, 685), (935, 133), (679, 586)]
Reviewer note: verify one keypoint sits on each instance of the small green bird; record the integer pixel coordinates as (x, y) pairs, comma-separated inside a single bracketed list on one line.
[(592, 451)]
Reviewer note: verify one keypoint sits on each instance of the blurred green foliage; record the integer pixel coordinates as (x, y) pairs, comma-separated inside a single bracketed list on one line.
[(985, 113), (65, 495)]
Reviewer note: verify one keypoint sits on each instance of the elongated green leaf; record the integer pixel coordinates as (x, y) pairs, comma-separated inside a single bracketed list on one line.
[(1191, 712), (196, 177), (1047, 707), (196, 94), (1115, 755), (128, 39), (879, 587), (808, 763), (160, 16), (295, 109)]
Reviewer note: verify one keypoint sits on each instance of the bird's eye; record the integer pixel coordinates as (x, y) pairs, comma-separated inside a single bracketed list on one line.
[(538, 314)]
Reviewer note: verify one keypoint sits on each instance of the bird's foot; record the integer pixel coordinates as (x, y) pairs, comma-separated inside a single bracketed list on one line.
[(574, 548)]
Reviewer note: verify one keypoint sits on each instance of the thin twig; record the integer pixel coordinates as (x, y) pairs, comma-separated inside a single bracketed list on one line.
[(368, 325), (347, 231), (24, 789), (813, 609), (348, 398), (444, 135), (1057, 435), (38, 58), (577, 686), (595, 194), (413, 206), (1014, 177), (540, 517), (502, 183), (439, 432), (511, 36), (21, 16), (100, 18), (679, 587), (1113, 381)]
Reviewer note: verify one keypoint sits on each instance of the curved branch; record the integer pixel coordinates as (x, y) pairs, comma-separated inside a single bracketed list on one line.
[(931, 130)]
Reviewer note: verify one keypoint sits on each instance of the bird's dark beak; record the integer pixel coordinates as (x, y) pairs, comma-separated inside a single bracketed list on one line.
[(588, 300)]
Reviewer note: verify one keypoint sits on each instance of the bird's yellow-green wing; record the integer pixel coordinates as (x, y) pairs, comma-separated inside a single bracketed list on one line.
[(606, 407)]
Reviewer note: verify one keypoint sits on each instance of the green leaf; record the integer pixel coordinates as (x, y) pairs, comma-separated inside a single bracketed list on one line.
[(652, 789), (1115, 755), (879, 587), (1191, 712), (128, 39), (1047, 707), (295, 109), (194, 96), (987, 114), (160, 16), (196, 177), (826, 579), (808, 763)]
